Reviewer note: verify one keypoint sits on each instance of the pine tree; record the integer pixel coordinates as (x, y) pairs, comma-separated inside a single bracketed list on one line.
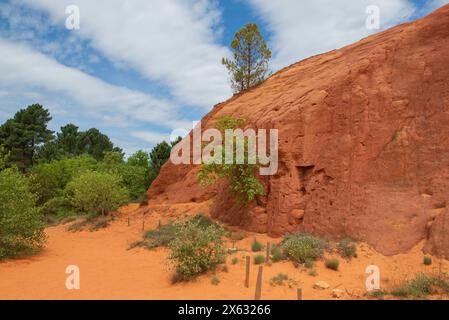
[(249, 67)]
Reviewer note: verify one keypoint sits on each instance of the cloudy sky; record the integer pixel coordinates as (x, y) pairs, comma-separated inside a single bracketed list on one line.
[(139, 69)]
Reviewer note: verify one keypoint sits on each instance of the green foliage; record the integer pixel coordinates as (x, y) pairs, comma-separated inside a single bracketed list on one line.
[(256, 246), (377, 294), (276, 253), (235, 260), (332, 264), (249, 65), (427, 260), (312, 273), (309, 264), (4, 158), (162, 236), (95, 143), (419, 287), (91, 223), (282, 279), (68, 140), (159, 155), (21, 224), (97, 192), (241, 177), (22, 135), (259, 259), (347, 248), (215, 281), (303, 247), (196, 250)]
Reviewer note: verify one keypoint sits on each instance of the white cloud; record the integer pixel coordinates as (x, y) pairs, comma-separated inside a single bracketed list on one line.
[(168, 41), (151, 137), (26, 73), (300, 29)]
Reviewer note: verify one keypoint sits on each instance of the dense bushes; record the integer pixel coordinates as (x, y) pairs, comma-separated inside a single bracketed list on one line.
[(97, 192), (196, 250), (21, 224), (303, 247)]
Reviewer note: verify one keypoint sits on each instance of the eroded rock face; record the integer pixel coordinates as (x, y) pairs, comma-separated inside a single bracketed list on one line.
[(364, 143)]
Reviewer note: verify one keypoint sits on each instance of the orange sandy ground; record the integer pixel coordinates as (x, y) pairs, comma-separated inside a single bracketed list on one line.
[(110, 271)]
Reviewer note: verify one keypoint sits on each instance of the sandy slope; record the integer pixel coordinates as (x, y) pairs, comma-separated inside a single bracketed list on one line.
[(110, 271)]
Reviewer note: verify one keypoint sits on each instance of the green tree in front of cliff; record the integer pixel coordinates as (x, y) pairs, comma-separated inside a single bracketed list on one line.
[(249, 65), (243, 182)]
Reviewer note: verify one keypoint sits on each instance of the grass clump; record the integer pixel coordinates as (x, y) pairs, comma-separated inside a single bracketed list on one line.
[(276, 253), (90, 223), (215, 281), (427, 260), (256, 246), (259, 259), (196, 249), (332, 264), (377, 294), (422, 286), (235, 260), (312, 273), (347, 248), (309, 264), (301, 247)]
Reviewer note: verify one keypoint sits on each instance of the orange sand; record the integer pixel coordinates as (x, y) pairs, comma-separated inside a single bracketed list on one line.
[(110, 271)]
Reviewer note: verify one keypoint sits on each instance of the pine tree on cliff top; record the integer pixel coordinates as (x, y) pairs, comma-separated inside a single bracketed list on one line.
[(249, 67)]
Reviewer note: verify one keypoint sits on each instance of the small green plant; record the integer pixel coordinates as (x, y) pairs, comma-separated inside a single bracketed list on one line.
[(302, 247), (225, 268), (279, 279), (256, 246), (235, 260), (259, 259), (215, 281), (309, 264), (236, 235), (276, 253), (419, 287), (91, 223), (427, 260), (196, 250), (347, 248), (377, 294), (312, 273), (332, 264)]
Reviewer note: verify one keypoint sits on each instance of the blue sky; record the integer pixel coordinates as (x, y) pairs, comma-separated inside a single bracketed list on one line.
[(138, 70)]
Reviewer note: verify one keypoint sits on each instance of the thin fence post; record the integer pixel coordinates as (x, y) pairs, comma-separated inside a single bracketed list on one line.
[(268, 252), (299, 294), (143, 225), (258, 294), (129, 222), (248, 265)]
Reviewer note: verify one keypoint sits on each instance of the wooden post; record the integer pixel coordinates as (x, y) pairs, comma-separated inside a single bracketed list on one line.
[(258, 294), (299, 294), (248, 265), (129, 222), (143, 225), (267, 260)]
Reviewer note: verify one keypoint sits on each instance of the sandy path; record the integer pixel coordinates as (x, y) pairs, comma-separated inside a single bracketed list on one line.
[(110, 271)]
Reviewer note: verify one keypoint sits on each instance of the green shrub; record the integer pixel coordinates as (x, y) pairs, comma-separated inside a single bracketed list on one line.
[(235, 260), (312, 273), (203, 221), (309, 264), (259, 259), (377, 294), (97, 192), (279, 279), (276, 253), (256, 246), (347, 248), (196, 250), (419, 287), (427, 260), (302, 247), (21, 223), (332, 264), (215, 281)]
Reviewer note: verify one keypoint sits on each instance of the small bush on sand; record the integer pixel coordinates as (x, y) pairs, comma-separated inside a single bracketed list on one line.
[(215, 281), (347, 248), (276, 253), (256, 246), (427, 260), (309, 264), (422, 286), (91, 223), (377, 294), (302, 247), (332, 264), (312, 273), (196, 250), (282, 279), (259, 259), (235, 261)]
